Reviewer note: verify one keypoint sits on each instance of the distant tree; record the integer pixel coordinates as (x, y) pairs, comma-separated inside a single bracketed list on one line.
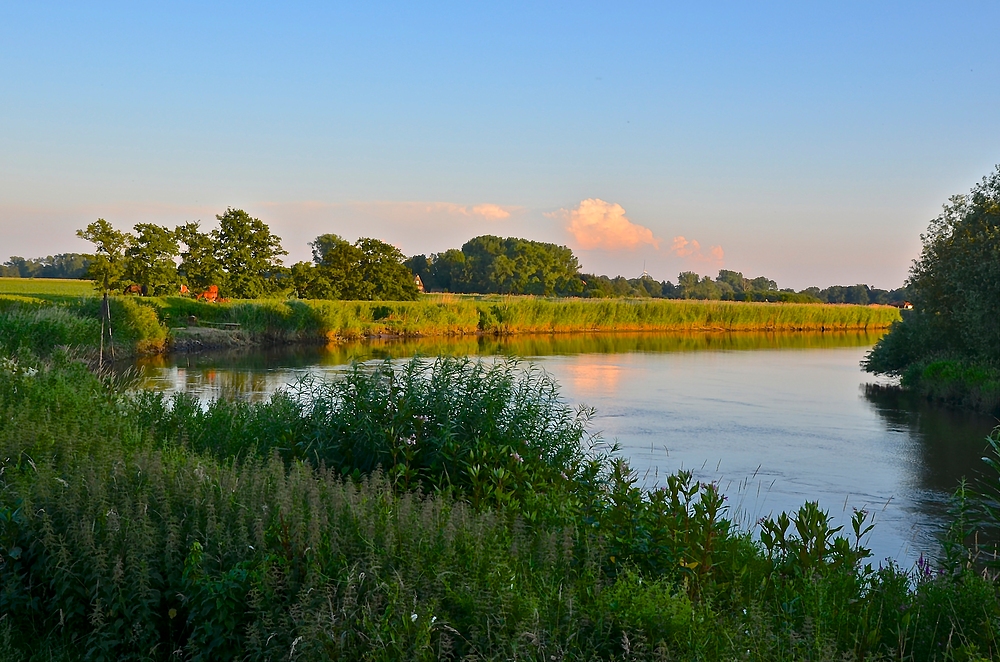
[(383, 276), (62, 265), (150, 259), (107, 266), (762, 284), (421, 265), (337, 270), (369, 270), (450, 271), (687, 284), (735, 281), (488, 265), (249, 255)]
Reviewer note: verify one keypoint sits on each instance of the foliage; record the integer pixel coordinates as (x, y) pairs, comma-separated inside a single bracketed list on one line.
[(249, 255), (368, 270), (121, 537), (950, 342), (492, 265), (63, 265), (150, 259), (108, 265), (200, 266)]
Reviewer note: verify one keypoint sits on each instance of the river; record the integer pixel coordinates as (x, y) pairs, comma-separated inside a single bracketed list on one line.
[(775, 419)]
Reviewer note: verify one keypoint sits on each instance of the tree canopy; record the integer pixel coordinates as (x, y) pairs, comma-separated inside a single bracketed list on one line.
[(368, 269), (108, 264), (493, 265), (954, 287)]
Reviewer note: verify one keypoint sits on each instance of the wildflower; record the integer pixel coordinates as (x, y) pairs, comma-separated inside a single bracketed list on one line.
[(422, 418), (413, 618), (411, 440), (517, 458)]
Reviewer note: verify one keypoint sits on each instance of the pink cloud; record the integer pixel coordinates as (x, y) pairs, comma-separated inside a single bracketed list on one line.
[(599, 224), (682, 247)]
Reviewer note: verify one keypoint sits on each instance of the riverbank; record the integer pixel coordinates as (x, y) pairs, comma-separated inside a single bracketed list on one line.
[(955, 382), (156, 324)]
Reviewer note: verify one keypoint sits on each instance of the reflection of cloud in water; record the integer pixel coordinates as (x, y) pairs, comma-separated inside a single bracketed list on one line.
[(593, 377)]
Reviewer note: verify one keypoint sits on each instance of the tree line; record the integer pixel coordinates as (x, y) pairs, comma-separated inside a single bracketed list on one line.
[(491, 265), (63, 265), (243, 259)]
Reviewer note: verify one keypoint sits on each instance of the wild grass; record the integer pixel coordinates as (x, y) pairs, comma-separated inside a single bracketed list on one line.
[(38, 326), (959, 382), (338, 523)]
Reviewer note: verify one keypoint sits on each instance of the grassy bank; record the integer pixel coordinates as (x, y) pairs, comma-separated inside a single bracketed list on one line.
[(331, 320), (442, 510), (957, 382), (141, 321)]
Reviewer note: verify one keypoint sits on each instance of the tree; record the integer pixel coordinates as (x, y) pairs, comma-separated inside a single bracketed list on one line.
[(368, 270), (383, 275), (150, 259), (488, 264), (249, 255), (338, 273), (200, 266), (953, 286), (107, 267)]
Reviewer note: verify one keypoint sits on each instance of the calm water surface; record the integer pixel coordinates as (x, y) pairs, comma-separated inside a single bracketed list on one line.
[(776, 419)]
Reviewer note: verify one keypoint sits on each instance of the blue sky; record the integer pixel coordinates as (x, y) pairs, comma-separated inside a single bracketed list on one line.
[(811, 144)]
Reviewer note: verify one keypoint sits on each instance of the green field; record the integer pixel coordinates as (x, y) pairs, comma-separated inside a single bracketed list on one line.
[(46, 288)]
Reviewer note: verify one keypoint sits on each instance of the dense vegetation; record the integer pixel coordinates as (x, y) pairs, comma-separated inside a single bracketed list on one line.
[(444, 509), (491, 265), (63, 265), (948, 346), (242, 259)]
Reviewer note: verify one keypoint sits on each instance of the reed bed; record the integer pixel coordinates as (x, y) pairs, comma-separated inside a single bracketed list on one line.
[(329, 320)]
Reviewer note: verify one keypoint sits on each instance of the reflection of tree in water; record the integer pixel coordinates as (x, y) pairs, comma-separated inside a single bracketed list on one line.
[(951, 441)]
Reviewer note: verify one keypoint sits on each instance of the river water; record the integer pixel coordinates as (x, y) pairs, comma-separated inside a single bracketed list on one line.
[(775, 419)]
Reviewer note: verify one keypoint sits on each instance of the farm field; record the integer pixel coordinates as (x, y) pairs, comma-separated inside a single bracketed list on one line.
[(46, 288)]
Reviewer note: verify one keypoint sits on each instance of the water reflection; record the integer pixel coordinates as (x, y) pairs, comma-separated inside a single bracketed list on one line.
[(948, 442), (776, 419)]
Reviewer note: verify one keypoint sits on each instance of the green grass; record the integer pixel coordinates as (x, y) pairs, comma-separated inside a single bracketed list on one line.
[(46, 287), (444, 510)]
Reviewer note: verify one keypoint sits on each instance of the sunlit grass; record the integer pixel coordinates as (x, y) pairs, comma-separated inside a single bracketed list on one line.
[(62, 287), (438, 316)]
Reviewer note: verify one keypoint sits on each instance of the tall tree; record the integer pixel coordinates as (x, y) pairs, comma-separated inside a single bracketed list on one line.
[(249, 255), (953, 287), (200, 266), (368, 269), (150, 259), (107, 267), (383, 276)]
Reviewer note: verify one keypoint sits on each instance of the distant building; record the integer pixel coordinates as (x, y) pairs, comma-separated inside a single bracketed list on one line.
[(419, 283)]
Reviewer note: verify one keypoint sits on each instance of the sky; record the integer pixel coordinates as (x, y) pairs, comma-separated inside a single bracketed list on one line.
[(808, 142)]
